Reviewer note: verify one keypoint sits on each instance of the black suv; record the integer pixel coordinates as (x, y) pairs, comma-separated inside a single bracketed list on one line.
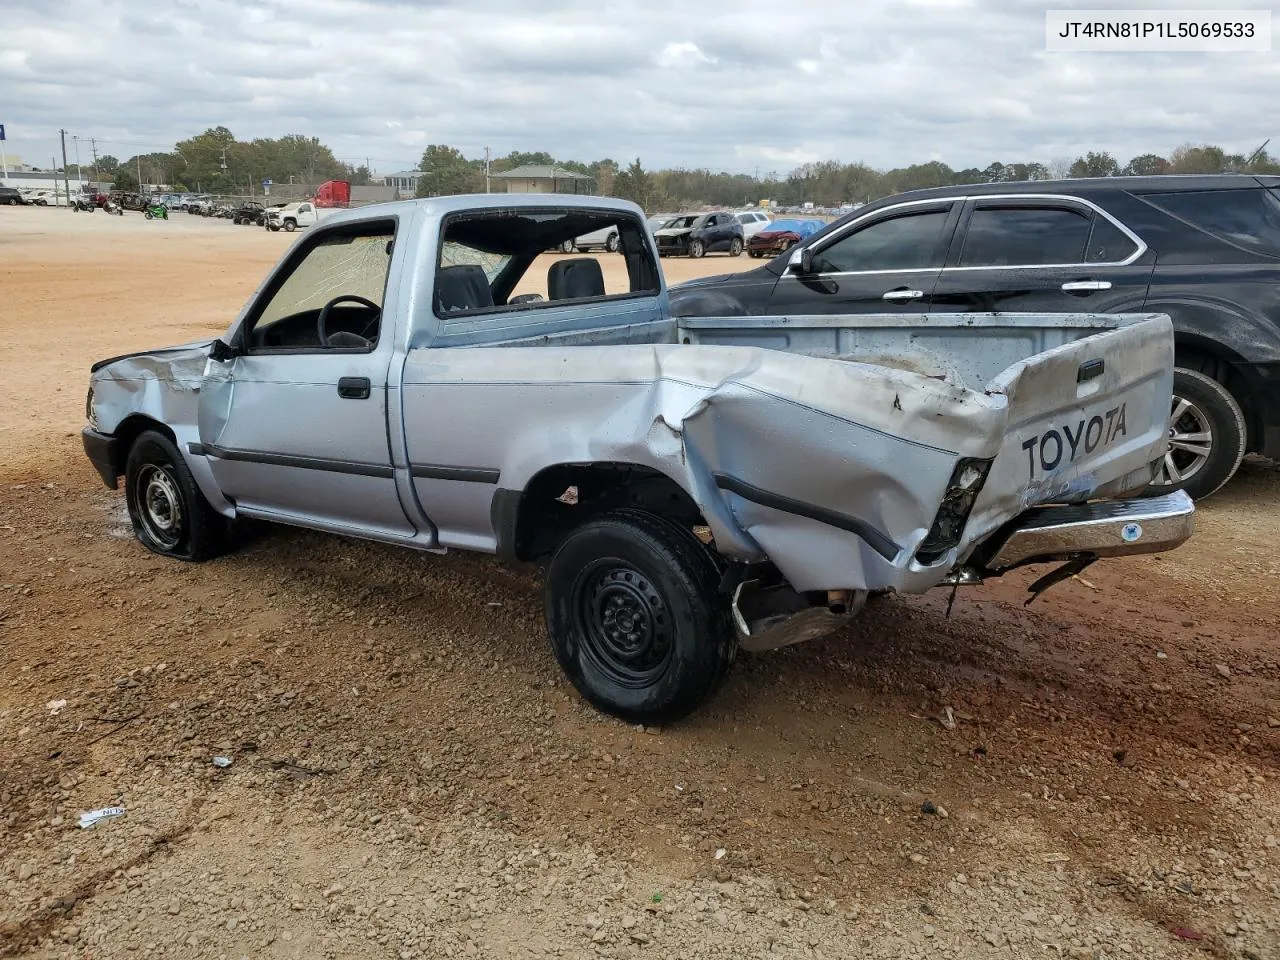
[(1203, 249), (696, 235), (11, 196)]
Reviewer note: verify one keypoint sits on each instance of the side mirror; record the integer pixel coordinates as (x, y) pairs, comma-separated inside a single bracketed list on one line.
[(801, 261), (221, 351)]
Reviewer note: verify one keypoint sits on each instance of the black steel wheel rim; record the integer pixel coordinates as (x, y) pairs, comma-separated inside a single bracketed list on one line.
[(158, 504), (626, 626)]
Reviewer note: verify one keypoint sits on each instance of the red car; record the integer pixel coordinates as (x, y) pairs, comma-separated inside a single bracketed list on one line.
[(781, 235)]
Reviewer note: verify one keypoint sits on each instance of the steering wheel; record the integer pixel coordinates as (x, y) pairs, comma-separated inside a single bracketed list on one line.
[(323, 319)]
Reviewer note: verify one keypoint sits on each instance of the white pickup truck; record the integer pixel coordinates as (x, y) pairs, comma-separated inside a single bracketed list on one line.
[(424, 374), (296, 216)]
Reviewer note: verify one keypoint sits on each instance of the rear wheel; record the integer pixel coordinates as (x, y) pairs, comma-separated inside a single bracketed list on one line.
[(635, 617), (1207, 436), (735, 246), (566, 247), (697, 248), (170, 515), (611, 244)]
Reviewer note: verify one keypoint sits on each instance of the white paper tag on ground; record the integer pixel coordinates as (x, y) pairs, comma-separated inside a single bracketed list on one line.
[(94, 817)]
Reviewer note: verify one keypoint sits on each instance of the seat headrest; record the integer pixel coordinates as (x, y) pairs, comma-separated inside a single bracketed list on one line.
[(575, 279), (464, 287)]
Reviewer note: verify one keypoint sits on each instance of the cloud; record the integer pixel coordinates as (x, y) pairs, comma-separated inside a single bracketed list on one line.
[(745, 83)]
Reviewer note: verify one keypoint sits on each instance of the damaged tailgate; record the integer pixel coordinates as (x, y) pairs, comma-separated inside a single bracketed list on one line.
[(1085, 420)]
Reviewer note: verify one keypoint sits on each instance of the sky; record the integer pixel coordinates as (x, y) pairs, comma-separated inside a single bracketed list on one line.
[(750, 86)]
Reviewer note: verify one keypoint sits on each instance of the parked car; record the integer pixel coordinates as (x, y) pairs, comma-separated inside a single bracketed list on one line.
[(606, 238), (251, 212), (753, 221), (1203, 249), (198, 205), (781, 235), (10, 196), (748, 490), (47, 198), (695, 235), (657, 221)]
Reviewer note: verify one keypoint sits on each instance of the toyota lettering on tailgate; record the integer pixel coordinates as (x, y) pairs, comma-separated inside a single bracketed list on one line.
[(1059, 445)]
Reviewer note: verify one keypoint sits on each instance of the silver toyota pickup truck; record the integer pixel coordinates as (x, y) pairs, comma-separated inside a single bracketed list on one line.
[(430, 374)]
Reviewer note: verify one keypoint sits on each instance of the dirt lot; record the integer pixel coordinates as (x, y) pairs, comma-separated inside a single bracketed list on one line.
[(411, 777)]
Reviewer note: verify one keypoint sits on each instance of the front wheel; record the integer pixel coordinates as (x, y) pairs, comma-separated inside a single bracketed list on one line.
[(735, 247), (1207, 436), (636, 619), (697, 249), (290, 226), (170, 515), (611, 244)]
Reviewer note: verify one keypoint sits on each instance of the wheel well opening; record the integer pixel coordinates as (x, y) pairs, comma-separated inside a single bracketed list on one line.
[(1208, 358), (127, 433), (561, 497)]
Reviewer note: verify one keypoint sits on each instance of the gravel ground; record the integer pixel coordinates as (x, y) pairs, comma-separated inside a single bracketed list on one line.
[(410, 776)]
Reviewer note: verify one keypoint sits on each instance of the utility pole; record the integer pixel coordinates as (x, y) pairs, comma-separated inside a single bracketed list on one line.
[(486, 169), (138, 160), (94, 143), (66, 180)]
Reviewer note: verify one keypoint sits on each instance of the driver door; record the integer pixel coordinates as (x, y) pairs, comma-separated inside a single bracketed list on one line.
[(295, 423)]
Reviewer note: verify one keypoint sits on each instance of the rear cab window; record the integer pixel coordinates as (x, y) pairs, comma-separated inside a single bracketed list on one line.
[(503, 262)]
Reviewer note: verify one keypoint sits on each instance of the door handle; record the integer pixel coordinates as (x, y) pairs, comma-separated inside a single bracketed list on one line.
[(353, 388), (899, 296), (1086, 286)]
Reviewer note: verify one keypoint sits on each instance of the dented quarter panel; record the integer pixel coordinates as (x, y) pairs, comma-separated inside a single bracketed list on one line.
[(873, 445)]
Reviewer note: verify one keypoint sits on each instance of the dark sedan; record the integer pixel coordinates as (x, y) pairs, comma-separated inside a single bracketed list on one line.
[(781, 235), (1203, 249)]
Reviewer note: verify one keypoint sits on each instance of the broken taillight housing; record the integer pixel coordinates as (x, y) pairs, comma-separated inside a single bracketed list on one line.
[(948, 526)]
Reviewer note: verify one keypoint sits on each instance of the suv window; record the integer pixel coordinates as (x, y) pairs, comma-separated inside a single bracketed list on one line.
[(907, 242), (1108, 243), (1249, 219), (1001, 236)]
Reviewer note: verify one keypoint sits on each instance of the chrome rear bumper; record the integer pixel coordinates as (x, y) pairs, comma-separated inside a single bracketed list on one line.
[(1110, 528)]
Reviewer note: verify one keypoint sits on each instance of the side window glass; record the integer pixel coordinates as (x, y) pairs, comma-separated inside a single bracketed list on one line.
[(1108, 243), (908, 242), (1244, 218), (1025, 236), (332, 298)]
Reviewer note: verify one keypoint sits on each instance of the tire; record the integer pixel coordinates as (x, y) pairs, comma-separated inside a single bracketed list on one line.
[(639, 573), (290, 226), (566, 247), (149, 215), (754, 254), (697, 249), (1196, 464), (611, 244), (170, 515), (735, 246)]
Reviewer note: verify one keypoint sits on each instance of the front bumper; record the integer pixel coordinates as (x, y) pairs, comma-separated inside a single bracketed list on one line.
[(101, 448), (1108, 528)]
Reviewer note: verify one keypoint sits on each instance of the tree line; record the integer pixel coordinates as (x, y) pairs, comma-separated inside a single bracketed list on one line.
[(828, 183), (216, 162)]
